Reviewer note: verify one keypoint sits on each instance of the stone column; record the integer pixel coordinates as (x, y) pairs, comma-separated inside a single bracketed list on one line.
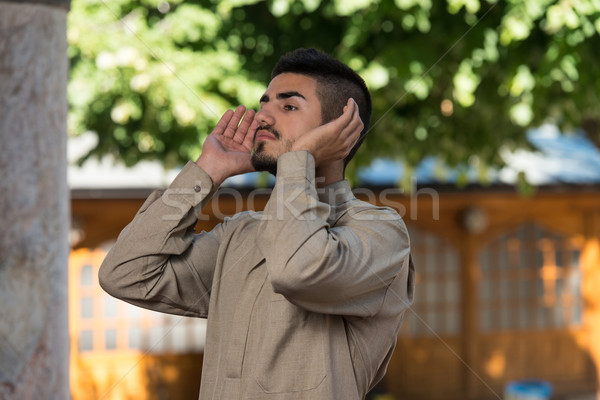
[(34, 201)]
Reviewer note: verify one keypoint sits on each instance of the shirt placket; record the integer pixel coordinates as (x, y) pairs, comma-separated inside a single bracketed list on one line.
[(241, 321)]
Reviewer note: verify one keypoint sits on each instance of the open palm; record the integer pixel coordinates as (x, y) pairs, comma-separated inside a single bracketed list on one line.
[(227, 150)]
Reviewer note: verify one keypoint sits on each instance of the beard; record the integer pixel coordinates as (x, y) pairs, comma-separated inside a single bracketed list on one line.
[(262, 161)]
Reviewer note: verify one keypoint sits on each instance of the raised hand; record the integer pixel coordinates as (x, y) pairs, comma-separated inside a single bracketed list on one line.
[(333, 140), (226, 151)]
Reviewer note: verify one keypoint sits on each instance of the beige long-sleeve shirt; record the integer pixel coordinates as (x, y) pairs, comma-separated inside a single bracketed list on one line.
[(304, 300)]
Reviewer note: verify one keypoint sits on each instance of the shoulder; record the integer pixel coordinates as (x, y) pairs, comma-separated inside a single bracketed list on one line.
[(363, 210), (366, 216)]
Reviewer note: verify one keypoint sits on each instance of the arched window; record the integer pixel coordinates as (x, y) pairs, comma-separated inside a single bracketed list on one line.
[(436, 309), (530, 279)]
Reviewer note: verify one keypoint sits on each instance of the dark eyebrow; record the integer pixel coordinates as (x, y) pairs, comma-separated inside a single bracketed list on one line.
[(282, 96), (287, 95)]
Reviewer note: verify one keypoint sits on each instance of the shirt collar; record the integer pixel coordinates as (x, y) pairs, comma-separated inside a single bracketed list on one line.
[(336, 193)]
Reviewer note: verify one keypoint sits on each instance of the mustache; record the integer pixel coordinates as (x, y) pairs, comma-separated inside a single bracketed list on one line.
[(269, 129)]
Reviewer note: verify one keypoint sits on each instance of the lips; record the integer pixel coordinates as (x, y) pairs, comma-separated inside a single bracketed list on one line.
[(264, 135)]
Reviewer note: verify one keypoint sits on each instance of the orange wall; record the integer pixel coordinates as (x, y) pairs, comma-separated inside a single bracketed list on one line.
[(136, 376)]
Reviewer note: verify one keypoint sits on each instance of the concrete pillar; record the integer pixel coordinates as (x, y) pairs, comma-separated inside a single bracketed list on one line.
[(34, 207)]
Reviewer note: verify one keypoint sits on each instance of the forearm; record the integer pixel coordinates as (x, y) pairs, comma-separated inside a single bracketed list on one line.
[(328, 263), (157, 244)]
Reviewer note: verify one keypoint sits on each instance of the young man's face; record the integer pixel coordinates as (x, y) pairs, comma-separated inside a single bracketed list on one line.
[(288, 109)]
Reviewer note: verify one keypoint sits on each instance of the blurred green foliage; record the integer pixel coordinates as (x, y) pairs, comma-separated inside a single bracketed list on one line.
[(457, 79)]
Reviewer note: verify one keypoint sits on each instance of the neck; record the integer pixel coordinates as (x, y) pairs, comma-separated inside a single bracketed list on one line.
[(329, 173)]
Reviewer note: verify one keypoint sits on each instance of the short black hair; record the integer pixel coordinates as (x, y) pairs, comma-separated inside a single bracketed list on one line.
[(336, 83)]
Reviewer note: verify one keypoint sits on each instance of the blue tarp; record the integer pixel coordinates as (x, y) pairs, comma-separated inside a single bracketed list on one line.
[(557, 158)]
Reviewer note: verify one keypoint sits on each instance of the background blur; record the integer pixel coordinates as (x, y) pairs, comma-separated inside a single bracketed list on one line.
[(455, 85), (484, 137)]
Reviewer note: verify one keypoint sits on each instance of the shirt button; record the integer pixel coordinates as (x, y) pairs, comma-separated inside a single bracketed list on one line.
[(197, 188)]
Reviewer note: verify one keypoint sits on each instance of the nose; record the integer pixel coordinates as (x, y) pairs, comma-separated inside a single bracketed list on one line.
[(264, 117)]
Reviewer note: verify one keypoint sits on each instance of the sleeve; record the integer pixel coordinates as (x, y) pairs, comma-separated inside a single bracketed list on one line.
[(158, 262), (345, 269)]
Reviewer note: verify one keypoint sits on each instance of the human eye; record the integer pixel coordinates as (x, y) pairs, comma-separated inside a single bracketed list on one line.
[(289, 107)]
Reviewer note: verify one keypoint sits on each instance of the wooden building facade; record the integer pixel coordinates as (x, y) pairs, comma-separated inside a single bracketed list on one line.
[(508, 288)]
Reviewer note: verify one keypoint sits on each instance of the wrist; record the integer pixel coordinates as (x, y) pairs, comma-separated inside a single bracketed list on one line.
[(216, 176), (303, 147), (295, 165)]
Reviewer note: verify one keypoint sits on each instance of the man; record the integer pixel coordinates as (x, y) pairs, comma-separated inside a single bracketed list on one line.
[(304, 300)]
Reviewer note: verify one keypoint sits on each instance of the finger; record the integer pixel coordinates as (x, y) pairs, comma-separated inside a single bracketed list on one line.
[(356, 120), (355, 135), (351, 110), (355, 110), (222, 124), (351, 139), (234, 122), (242, 130), (347, 105), (352, 132), (249, 139), (355, 124), (346, 116), (350, 105)]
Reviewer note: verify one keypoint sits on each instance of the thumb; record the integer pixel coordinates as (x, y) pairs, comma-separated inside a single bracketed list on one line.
[(349, 104), (346, 116)]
